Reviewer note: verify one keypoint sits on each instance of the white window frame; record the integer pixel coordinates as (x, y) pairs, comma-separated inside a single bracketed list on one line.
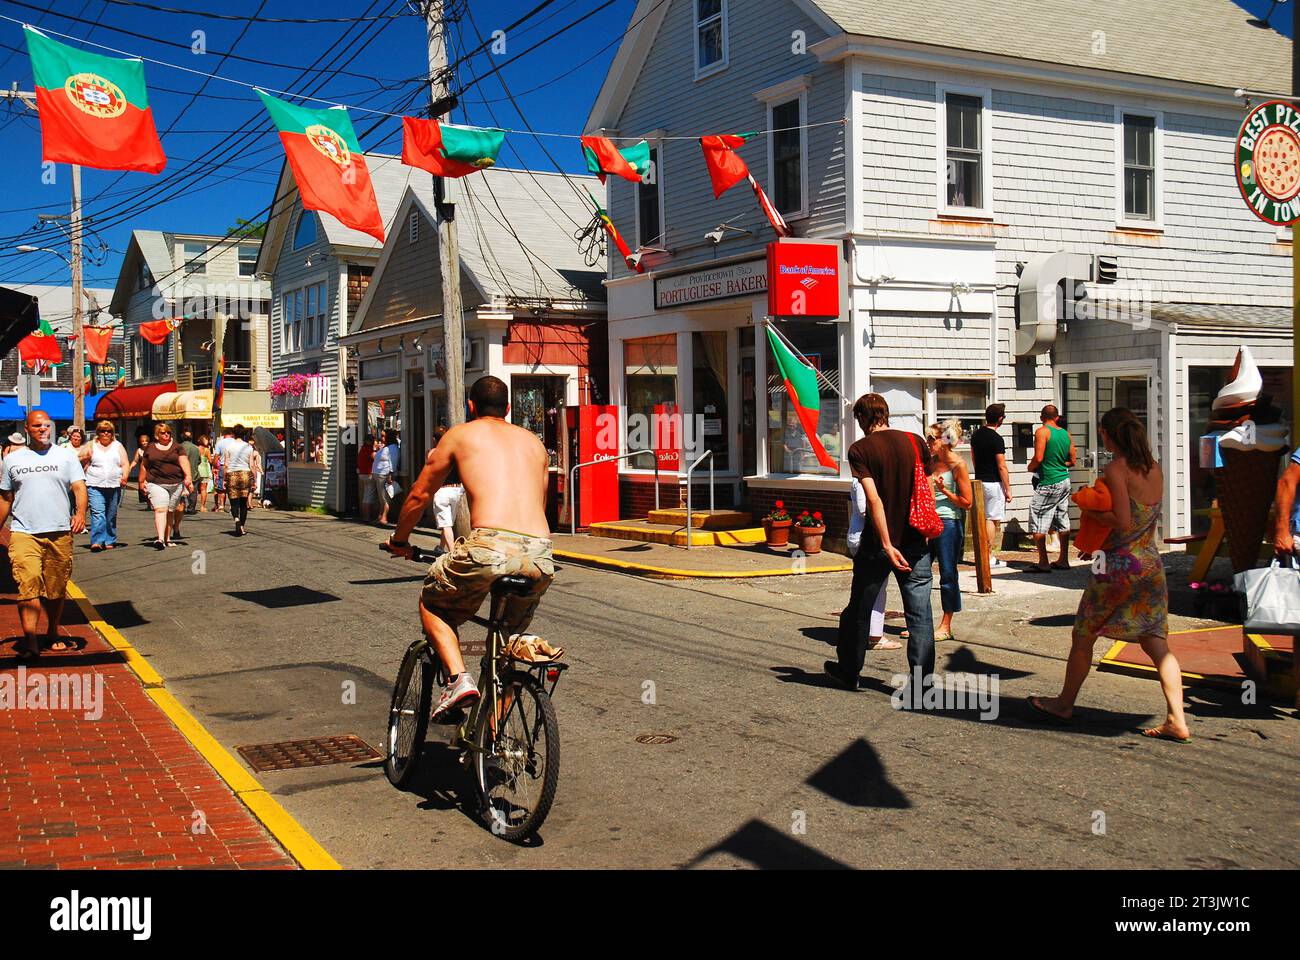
[(794, 89), (202, 265), (985, 95), (711, 69), (1122, 221), (239, 251), (657, 170), (49, 376)]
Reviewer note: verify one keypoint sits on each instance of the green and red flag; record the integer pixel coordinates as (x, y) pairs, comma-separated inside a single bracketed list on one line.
[(327, 163), (40, 348), (157, 331), (726, 169), (447, 150), (617, 237), (94, 109), (631, 163), (801, 384), (97, 341)]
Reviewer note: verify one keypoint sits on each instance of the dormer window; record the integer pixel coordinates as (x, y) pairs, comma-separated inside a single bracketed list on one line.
[(305, 235)]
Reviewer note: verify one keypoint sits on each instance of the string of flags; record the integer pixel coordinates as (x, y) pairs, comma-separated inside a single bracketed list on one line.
[(40, 349), (94, 111)]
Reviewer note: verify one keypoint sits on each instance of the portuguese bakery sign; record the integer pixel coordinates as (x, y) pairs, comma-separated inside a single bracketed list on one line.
[(1268, 162)]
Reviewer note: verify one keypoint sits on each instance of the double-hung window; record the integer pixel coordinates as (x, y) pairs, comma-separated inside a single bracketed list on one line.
[(966, 160), (314, 333), (194, 262), (247, 261), (1137, 168), (787, 150), (290, 319), (710, 36)]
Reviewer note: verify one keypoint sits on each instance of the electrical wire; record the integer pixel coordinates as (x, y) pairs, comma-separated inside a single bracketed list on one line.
[(255, 18)]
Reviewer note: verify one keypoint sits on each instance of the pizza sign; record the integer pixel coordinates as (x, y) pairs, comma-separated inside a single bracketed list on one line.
[(1268, 162)]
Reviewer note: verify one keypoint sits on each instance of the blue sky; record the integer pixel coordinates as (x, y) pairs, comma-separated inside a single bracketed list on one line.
[(380, 76), (552, 85)]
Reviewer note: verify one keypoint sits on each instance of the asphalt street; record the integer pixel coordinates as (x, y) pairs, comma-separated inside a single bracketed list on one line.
[(296, 631)]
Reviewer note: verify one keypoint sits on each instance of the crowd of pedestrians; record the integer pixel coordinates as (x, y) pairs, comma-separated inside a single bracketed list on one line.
[(895, 532)]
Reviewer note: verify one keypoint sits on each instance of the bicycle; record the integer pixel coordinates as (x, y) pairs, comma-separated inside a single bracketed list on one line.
[(509, 737)]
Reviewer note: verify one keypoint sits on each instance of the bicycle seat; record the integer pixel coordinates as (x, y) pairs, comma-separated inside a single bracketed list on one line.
[(516, 585)]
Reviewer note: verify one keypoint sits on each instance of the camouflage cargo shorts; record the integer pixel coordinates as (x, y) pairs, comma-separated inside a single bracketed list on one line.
[(458, 581)]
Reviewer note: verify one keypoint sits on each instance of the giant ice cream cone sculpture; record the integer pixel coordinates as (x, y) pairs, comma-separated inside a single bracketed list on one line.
[(1251, 448)]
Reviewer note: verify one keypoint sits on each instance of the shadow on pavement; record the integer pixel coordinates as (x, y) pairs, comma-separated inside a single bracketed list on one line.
[(121, 614), (768, 849), (279, 597), (857, 778), (964, 660)]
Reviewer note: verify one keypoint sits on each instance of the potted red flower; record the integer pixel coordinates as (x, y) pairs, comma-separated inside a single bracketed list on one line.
[(776, 525), (810, 527)]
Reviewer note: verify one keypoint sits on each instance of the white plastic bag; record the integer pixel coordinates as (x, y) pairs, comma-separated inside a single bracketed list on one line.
[(1272, 598)]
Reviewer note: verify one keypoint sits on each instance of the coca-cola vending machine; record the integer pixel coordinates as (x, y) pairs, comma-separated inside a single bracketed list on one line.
[(591, 433)]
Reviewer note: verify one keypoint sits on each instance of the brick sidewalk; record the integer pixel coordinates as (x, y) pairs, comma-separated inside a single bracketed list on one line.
[(122, 790)]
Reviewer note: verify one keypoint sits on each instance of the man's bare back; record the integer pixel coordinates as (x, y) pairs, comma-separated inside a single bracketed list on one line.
[(504, 470)]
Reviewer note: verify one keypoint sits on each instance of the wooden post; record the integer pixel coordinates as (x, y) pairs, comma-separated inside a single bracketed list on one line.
[(983, 577)]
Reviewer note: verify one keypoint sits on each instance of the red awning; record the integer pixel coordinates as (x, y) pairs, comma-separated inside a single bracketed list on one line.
[(131, 403)]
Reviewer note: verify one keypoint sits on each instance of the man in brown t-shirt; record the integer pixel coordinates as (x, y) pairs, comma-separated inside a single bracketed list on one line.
[(884, 462)]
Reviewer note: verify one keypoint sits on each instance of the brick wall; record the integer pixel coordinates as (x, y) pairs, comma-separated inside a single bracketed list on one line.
[(834, 505)]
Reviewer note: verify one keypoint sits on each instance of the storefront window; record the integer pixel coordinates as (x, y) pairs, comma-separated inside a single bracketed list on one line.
[(963, 399), (536, 404), (650, 381), (383, 414), (788, 449), (1203, 385), (709, 357), (307, 436)]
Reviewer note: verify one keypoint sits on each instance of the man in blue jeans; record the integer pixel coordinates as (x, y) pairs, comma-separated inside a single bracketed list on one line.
[(884, 462)]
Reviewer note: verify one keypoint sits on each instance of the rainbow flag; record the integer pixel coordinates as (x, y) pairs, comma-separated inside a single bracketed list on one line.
[(219, 384)]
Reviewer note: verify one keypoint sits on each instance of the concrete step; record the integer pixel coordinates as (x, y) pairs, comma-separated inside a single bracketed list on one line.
[(675, 533), (703, 519)]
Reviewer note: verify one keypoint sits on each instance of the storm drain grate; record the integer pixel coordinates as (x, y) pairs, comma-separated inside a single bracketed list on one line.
[(655, 739), (316, 752)]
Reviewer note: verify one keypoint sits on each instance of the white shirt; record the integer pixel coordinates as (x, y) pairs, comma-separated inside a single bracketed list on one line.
[(386, 461), (857, 516), (105, 467), (238, 455), (40, 482)]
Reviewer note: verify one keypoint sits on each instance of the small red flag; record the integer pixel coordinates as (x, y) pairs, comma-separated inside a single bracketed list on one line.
[(726, 169), (97, 340), (422, 147), (156, 331)]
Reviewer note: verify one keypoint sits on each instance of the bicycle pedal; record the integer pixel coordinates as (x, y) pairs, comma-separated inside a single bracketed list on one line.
[(450, 718)]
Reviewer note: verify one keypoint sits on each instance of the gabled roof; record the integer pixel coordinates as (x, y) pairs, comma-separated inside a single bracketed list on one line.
[(515, 234), (155, 248), (1205, 42), (388, 175)]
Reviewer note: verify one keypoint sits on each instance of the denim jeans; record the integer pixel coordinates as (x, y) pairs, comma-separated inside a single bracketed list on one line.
[(948, 548), (870, 568), (103, 503)]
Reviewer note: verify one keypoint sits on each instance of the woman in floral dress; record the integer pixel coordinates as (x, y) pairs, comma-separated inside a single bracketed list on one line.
[(1128, 599)]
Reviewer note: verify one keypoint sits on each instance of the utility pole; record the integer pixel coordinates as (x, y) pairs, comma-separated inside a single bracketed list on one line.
[(74, 225), (453, 319), (79, 348)]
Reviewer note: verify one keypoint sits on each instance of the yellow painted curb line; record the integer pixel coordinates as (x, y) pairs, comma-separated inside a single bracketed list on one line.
[(297, 842), (669, 573)]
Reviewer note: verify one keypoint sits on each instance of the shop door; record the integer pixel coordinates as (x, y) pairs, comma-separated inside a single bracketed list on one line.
[(1084, 398), (415, 444)]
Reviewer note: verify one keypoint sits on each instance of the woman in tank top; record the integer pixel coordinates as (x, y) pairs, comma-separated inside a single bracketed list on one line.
[(106, 468), (952, 498)]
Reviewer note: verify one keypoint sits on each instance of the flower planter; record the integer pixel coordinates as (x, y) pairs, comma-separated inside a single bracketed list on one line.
[(777, 531), (810, 538)]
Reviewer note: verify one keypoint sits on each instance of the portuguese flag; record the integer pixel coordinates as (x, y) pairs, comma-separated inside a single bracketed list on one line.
[(157, 331), (603, 158), (801, 385), (40, 347), (327, 163), (726, 169), (446, 150), (614, 235), (97, 341), (94, 109)]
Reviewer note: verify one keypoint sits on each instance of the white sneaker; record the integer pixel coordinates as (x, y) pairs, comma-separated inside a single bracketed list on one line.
[(995, 562), (462, 691)]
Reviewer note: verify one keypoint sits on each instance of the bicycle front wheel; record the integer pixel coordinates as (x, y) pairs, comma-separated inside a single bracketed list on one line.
[(408, 714), (518, 758)]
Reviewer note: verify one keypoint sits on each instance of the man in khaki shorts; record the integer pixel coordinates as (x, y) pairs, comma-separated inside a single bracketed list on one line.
[(34, 487), (504, 471)]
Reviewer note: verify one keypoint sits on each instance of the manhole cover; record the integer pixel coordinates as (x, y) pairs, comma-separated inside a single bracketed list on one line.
[(655, 738), (317, 752)]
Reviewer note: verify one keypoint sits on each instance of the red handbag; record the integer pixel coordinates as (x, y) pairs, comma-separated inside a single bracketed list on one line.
[(923, 515)]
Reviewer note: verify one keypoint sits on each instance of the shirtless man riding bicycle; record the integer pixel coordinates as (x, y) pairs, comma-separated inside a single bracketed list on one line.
[(504, 470)]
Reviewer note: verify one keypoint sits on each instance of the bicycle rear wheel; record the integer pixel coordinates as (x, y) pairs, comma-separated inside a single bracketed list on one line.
[(518, 764), (408, 714)]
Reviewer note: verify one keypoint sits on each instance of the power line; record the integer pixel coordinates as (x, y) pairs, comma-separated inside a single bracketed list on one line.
[(255, 18)]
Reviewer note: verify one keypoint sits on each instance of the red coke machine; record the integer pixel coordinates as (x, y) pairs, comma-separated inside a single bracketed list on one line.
[(591, 433)]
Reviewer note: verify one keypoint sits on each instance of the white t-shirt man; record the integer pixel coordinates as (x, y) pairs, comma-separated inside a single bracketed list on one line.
[(238, 455), (40, 482)]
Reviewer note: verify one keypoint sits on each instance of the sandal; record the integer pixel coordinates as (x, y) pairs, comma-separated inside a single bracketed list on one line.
[(26, 654), (65, 644), (1155, 733), (885, 643), (1042, 713), (944, 635)]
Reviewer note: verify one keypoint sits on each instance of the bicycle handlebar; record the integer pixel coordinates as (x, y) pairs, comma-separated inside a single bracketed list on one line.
[(417, 555)]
